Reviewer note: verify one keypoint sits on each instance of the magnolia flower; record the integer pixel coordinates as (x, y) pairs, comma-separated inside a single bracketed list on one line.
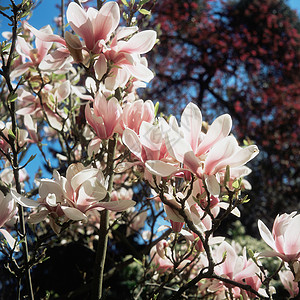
[(205, 155), (160, 255), (73, 196), (95, 27), (287, 279), (35, 56), (148, 145), (22, 136), (31, 104), (104, 116), (237, 268), (7, 211), (135, 113), (125, 57), (285, 237)]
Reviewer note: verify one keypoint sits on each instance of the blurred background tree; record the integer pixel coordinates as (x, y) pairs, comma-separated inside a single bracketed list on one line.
[(239, 57)]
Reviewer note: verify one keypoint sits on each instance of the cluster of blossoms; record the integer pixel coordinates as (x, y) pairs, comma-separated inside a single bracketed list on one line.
[(194, 170)]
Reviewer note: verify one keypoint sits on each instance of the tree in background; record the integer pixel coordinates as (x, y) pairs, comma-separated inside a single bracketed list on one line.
[(137, 199), (240, 57)]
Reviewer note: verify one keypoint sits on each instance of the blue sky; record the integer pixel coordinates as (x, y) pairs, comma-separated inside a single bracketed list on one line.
[(44, 14), (46, 11)]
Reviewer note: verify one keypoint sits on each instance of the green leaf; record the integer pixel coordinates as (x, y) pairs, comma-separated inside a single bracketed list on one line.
[(5, 47), (144, 11), (3, 7), (32, 157), (125, 3), (251, 254), (156, 108), (236, 184), (142, 2), (137, 261), (227, 175), (225, 198), (11, 134), (12, 97), (245, 199)]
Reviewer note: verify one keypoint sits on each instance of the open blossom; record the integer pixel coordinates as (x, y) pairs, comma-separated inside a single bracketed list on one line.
[(7, 211), (205, 155), (95, 27), (237, 268), (51, 96), (34, 55), (5, 128), (72, 197), (285, 237), (104, 117), (287, 279), (135, 113), (125, 56)]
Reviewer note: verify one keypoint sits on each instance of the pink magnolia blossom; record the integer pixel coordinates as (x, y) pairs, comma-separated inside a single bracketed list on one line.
[(31, 105), (22, 136), (148, 145), (205, 155), (73, 196), (288, 281), (104, 117), (126, 61), (35, 56), (285, 237), (160, 255), (95, 27), (237, 268), (135, 113), (7, 211)]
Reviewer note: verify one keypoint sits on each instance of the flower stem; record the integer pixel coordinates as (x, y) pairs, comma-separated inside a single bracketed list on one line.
[(97, 288)]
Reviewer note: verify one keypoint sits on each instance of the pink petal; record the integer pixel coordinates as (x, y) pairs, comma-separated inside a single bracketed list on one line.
[(106, 21), (266, 234), (292, 237), (140, 72), (80, 23), (23, 200), (218, 130), (176, 145), (38, 217), (82, 176), (46, 36), (74, 213), (49, 186), (131, 140), (140, 43), (239, 158), (221, 150), (160, 168), (213, 185), (20, 70), (191, 124), (119, 205), (10, 240), (100, 66)]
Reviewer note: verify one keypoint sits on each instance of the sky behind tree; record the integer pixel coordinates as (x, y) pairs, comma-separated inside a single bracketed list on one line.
[(46, 11)]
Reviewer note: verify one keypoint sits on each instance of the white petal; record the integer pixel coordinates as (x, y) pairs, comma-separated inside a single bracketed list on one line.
[(74, 213), (10, 240), (213, 185), (23, 200), (160, 168), (266, 234)]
